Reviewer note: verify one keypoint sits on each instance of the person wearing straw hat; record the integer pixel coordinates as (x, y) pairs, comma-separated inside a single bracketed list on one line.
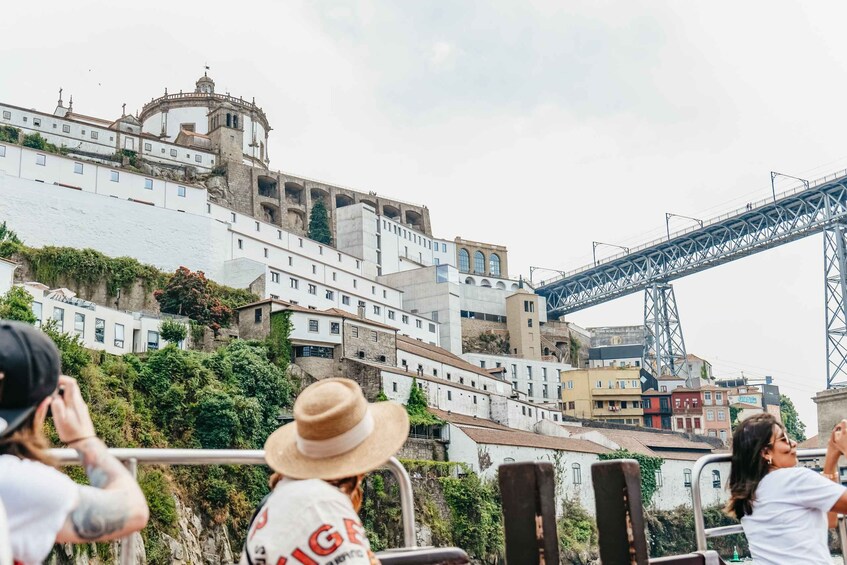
[(43, 505), (320, 461)]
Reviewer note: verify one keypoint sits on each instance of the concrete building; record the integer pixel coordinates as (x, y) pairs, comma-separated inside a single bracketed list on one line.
[(617, 335), (699, 367), (609, 395), (540, 381), (747, 400), (687, 407), (615, 356), (716, 421), (481, 259), (657, 409)]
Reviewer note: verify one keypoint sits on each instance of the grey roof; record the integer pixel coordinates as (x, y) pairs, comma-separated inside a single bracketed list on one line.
[(632, 351)]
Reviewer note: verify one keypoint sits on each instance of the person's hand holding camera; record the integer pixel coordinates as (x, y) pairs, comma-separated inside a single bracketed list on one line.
[(70, 413)]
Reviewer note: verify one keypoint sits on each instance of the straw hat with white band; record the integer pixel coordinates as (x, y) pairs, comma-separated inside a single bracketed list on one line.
[(336, 433)]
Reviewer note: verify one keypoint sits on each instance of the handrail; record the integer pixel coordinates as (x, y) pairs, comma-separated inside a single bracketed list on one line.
[(132, 457), (711, 221), (701, 533)]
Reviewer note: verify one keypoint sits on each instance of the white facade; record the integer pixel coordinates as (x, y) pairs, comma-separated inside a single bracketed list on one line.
[(100, 328), (540, 380), (442, 394), (7, 275), (79, 133)]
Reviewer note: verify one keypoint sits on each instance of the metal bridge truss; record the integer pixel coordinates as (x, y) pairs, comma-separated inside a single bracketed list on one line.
[(821, 207), (664, 347)]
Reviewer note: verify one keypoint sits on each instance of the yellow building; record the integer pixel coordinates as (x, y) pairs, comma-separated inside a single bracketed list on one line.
[(609, 394)]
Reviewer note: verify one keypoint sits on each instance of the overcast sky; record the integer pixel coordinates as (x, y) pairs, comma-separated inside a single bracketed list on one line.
[(537, 125)]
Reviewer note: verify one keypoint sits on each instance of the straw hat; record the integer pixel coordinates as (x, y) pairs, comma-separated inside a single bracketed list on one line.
[(336, 433)]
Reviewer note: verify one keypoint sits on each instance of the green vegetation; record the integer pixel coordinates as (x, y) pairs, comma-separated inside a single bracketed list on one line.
[(188, 294), (172, 331), (185, 399), (795, 428), (36, 141), (648, 465), (319, 228), (10, 243), (416, 407), (130, 155), (577, 534), (279, 346), (671, 532), (17, 305), (9, 134), (733, 416), (574, 346)]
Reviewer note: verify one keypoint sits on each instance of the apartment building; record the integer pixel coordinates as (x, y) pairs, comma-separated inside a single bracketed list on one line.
[(608, 394)]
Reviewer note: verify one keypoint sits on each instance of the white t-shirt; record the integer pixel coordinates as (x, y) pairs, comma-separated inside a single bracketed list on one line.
[(38, 499), (307, 522), (5, 548), (789, 523)]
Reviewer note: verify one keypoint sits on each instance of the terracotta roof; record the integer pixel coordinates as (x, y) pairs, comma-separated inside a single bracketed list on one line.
[(666, 445), (329, 312), (463, 420), (424, 377), (529, 439), (436, 353)]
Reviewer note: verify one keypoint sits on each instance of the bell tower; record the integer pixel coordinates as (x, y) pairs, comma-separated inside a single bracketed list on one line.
[(226, 131)]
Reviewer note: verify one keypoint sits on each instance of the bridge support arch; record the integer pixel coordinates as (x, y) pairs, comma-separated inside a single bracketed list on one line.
[(664, 346)]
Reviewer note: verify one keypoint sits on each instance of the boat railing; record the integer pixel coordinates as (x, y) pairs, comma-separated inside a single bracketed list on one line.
[(702, 533), (131, 458)]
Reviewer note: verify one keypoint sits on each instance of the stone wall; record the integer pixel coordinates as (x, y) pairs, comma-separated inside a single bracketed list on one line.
[(423, 449), (359, 343)]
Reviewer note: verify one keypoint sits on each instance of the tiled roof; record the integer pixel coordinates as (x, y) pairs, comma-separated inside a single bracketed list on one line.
[(462, 420), (436, 353), (329, 312), (529, 439), (424, 377), (666, 445)]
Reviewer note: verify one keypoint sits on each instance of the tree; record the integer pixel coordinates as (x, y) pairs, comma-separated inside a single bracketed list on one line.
[(189, 294), (172, 331), (17, 305), (10, 243), (574, 346), (733, 416), (793, 426), (319, 229), (416, 407)]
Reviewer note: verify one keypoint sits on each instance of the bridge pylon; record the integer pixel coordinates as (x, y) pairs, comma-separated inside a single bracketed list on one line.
[(835, 292), (664, 346)]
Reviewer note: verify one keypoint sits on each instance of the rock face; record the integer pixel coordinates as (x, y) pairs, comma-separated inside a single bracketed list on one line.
[(196, 543)]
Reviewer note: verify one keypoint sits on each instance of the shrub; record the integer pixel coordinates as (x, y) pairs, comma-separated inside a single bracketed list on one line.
[(188, 294), (17, 305), (173, 331)]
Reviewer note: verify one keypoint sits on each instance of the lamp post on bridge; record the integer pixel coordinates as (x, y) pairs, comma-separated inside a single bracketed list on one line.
[(594, 245), (669, 215), (774, 174), (533, 269)]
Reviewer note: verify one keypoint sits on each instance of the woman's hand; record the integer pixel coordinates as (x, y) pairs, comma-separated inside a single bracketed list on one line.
[(70, 413), (838, 438)]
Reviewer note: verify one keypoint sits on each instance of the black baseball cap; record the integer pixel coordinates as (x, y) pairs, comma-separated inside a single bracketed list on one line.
[(30, 364)]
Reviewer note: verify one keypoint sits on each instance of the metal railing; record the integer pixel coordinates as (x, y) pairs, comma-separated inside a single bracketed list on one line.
[(131, 458), (702, 533)]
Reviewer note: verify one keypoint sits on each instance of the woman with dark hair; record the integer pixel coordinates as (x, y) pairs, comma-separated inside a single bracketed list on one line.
[(784, 509)]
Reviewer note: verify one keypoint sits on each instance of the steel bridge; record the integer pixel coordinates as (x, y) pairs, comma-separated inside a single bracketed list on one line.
[(818, 206)]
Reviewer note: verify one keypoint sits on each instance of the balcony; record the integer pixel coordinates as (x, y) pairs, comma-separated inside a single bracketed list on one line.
[(627, 393), (617, 411)]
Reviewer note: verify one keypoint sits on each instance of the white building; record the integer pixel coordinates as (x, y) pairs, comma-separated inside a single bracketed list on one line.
[(539, 380)]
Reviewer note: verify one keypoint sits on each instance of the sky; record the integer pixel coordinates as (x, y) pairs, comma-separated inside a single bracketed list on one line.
[(539, 125)]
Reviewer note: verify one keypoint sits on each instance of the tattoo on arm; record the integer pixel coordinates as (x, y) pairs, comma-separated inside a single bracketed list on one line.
[(102, 469), (99, 514)]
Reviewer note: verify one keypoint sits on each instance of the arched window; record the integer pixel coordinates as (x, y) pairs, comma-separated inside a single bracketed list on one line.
[(228, 120), (686, 477), (659, 479), (478, 262), (235, 121), (716, 479), (464, 260), (494, 264), (577, 474)]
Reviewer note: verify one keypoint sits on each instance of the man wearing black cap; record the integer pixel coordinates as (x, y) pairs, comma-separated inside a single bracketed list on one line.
[(43, 505)]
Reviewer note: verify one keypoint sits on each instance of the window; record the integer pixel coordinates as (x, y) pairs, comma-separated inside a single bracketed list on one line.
[(300, 241), (647, 403), (354, 331), (718, 398), (7, 115), (686, 477), (543, 373), (659, 478), (474, 399), (119, 335), (290, 261), (710, 415), (577, 474), (148, 147), (258, 227), (529, 322), (449, 395), (173, 152), (374, 336), (405, 319), (707, 398), (114, 176), (66, 128), (394, 389), (529, 371), (716, 479), (78, 168), (294, 283), (377, 310), (313, 289), (40, 159), (152, 340), (148, 184), (2, 150), (241, 244), (79, 324), (478, 262), (464, 260), (334, 328), (345, 300), (59, 318), (198, 158), (99, 330), (355, 283), (696, 423), (313, 325), (598, 404), (570, 385), (94, 135), (329, 295), (373, 289), (313, 351), (180, 191), (679, 425), (571, 405), (314, 269), (36, 122), (523, 410), (391, 314), (721, 415), (274, 277), (232, 217), (494, 264), (418, 324), (432, 328)]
